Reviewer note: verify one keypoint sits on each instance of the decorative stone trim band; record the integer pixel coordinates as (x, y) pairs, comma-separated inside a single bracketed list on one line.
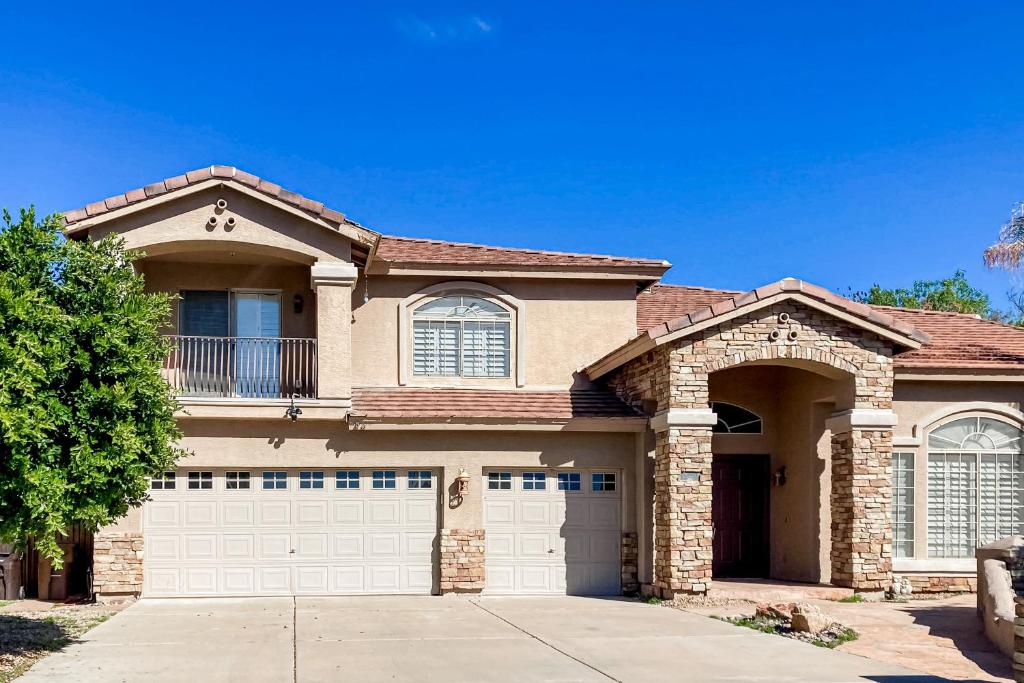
[(117, 564), (683, 418), (332, 273), (875, 419), (462, 560)]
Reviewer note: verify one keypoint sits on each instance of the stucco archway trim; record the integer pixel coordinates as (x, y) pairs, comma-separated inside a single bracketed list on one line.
[(465, 287), (946, 412)]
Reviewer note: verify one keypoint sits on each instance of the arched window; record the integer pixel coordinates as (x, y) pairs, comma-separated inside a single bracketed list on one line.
[(975, 485), (733, 419), (461, 336)]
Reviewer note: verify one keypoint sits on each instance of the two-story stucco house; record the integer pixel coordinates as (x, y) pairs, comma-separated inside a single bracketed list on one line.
[(376, 414)]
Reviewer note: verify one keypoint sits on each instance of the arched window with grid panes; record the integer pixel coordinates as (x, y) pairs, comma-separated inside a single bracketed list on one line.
[(461, 336)]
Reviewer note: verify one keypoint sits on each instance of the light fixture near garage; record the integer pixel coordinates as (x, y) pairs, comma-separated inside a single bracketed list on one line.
[(462, 482), (293, 411)]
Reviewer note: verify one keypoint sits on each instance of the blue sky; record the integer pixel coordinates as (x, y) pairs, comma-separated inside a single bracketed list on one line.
[(842, 143)]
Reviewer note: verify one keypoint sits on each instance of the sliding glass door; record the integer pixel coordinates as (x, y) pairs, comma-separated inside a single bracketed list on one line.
[(256, 327)]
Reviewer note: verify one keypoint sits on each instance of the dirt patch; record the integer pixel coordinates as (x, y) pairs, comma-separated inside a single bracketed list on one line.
[(29, 635)]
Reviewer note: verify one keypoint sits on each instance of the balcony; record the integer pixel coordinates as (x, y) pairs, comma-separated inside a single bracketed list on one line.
[(242, 367)]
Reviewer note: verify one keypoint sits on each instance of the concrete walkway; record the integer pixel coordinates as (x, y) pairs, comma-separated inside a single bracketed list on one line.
[(430, 639)]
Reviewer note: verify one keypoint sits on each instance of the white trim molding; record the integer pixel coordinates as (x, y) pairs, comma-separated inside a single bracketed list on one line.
[(906, 441), (683, 417), (337, 273), (875, 419), (454, 287), (966, 408), (957, 565)]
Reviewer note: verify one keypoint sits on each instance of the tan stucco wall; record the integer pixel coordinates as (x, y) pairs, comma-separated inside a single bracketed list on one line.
[(568, 324), (260, 228), (793, 405), (174, 276)]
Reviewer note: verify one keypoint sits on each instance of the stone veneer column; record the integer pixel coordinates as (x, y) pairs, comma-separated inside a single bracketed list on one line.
[(682, 501), (333, 281), (862, 498), (462, 560), (630, 558), (117, 564)]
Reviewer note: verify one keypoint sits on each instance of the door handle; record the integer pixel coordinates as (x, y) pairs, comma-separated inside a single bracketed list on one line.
[(292, 551), (551, 550)]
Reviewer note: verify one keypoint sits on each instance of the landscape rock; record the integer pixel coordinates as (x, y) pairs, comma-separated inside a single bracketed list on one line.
[(808, 618)]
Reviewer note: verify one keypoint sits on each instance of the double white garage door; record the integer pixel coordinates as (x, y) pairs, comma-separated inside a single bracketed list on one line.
[(287, 532), (322, 532)]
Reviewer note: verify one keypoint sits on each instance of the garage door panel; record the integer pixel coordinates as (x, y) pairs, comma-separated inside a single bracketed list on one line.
[(310, 546), (163, 581), (418, 578), (237, 513), (603, 547), (239, 546), (421, 511), (604, 513), (275, 546), (274, 513), (239, 580), (534, 545), (275, 579), (200, 513), (286, 541), (348, 512), (534, 579), (419, 544), (347, 546), (500, 545), (163, 514), (311, 513), (499, 512), (201, 546), (383, 512), (348, 579), (535, 512), (201, 580), (382, 545), (311, 580), (163, 547), (384, 578)]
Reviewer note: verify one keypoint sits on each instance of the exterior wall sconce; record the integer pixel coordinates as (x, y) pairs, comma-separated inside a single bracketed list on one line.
[(779, 478), (293, 411), (462, 482), (297, 303)]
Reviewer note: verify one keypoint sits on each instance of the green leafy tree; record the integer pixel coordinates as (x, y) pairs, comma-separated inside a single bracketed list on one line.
[(951, 294), (85, 416)]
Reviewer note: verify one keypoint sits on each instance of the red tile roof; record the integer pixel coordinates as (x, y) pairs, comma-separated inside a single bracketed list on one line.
[(407, 402), (957, 340), (198, 176), (408, 250)]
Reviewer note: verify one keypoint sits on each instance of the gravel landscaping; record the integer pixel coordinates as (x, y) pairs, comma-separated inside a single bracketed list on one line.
[(34, 631)]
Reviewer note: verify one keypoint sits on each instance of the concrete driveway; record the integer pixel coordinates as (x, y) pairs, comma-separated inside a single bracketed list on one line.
[(433, 639)]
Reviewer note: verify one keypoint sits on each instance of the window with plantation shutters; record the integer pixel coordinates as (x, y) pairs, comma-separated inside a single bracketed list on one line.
[(975, 485), (461, 336)]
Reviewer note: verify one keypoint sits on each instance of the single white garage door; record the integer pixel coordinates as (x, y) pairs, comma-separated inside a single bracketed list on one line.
[(553, 531), (290, 531)]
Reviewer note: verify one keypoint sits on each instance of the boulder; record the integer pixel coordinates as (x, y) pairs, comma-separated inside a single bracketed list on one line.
[(781, 610), (809, 619)]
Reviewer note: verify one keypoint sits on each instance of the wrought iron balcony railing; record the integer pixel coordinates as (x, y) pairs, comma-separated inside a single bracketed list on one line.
[(242, 367)]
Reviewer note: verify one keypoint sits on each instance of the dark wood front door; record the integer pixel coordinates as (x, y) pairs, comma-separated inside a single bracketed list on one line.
[(739, 510)]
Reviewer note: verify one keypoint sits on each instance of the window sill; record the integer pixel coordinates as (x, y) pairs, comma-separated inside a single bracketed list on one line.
[(959, 565)]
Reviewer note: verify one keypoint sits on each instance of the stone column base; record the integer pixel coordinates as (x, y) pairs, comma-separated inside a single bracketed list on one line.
[(1018, 640), (462, 560), (630, 559), (117, 565)]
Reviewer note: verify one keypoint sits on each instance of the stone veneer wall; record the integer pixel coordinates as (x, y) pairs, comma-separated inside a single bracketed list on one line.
[(117, 563), (942, 584), (675, 375), (630, 558), (462, 560), (861, 503)]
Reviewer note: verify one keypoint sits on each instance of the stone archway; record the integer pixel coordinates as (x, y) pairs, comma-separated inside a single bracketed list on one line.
[(676, 377)]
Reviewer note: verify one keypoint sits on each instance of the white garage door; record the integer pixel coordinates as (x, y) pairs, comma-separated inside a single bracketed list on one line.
[(553, 531), (285, 532)]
